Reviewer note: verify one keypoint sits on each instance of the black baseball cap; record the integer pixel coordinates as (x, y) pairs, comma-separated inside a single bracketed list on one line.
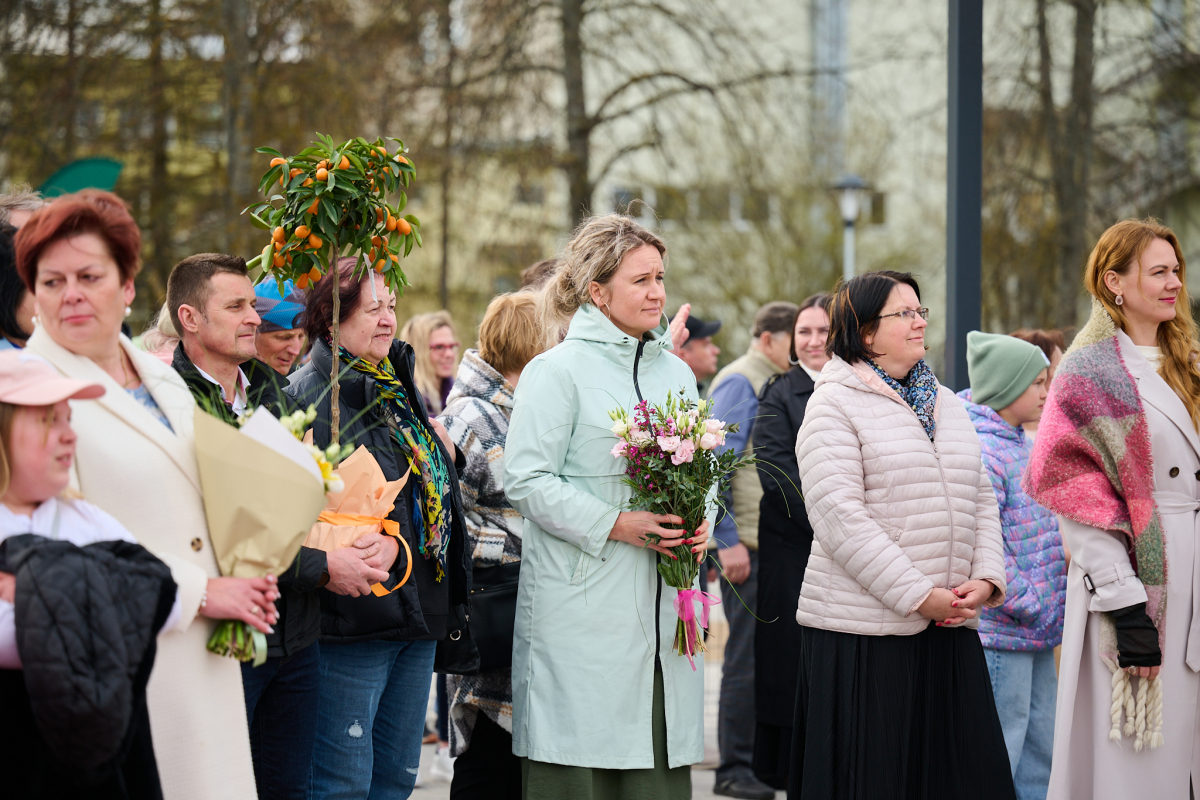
[(699, 329)]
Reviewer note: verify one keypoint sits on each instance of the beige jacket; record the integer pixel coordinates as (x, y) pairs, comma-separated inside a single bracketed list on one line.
[(130, 465), (894, 515)]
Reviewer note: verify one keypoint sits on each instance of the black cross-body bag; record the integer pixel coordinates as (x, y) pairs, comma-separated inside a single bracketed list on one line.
[(482, 639)]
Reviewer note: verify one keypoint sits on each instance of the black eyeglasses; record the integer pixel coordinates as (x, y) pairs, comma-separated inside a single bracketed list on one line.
[(908, 314)]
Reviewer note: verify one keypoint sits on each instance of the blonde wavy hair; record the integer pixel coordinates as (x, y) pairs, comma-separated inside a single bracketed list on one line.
[(1120, 248), (509, 336), (594, 253), (161, 338), (417, 332)]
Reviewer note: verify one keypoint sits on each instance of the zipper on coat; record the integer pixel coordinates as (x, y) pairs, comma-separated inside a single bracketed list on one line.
[(949, 513), (657, 556), (636, 359)]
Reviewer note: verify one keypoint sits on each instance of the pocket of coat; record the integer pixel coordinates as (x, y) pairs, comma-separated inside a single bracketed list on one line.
[(584, 565), (611, 490)]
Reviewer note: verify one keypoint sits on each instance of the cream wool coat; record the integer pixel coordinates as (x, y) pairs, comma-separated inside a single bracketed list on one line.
[(1086, 764), (894, 515), (131, 466)]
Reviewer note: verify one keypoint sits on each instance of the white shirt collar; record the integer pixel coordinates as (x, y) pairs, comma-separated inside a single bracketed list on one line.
[(812, 373), (239, 400)]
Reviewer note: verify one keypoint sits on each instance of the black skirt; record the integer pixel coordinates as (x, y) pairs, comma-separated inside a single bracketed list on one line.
[(882, 717)]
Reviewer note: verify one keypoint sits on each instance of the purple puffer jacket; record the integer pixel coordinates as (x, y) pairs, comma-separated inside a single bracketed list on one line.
[(1034, 562)]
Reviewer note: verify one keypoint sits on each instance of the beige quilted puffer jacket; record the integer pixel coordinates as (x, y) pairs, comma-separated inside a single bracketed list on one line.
[(894, 515)]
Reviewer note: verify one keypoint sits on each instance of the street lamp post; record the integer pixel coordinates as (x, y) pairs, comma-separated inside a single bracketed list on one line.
[(964, 187), (850, 191)]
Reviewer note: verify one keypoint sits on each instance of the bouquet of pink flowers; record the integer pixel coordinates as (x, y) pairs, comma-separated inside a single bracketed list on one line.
[(673, 467)]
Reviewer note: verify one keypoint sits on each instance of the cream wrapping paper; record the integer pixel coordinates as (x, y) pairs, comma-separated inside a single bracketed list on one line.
[(261, 494)]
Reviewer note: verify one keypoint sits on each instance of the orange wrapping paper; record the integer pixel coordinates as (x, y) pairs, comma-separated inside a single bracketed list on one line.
[(367, 494)]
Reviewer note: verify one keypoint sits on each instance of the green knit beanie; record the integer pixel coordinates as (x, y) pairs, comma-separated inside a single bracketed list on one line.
[(1001, 367)]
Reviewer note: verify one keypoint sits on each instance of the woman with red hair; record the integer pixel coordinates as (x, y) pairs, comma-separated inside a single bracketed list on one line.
[(136, 460)]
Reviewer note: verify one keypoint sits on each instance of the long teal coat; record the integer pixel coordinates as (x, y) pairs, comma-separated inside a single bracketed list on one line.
[(583, 657)]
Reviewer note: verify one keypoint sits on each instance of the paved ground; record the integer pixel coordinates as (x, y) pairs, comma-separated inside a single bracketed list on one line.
[(702, 775)]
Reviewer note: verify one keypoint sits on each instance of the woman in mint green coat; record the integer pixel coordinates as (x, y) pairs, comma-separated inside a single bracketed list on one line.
[(602, 705)]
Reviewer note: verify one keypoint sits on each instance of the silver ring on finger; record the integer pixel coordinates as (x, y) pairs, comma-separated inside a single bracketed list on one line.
[(255, 610)]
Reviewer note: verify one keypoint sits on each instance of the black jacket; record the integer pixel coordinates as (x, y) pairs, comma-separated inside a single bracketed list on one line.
[(784, 541), (299, 609), (86, 618), (419, 609)]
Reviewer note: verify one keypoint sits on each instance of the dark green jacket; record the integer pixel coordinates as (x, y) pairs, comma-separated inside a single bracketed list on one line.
[(298, 606)]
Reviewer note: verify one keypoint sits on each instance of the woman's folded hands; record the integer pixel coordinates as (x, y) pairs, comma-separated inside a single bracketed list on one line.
[(956, 606)]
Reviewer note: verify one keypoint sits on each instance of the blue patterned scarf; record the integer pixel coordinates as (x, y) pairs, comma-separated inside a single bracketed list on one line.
[(919, 389)]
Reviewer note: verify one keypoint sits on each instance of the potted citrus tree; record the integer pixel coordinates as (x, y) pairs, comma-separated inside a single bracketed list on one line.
[(330, 201)]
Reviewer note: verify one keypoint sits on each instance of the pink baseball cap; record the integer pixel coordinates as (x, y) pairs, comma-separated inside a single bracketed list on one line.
[(26, 380)]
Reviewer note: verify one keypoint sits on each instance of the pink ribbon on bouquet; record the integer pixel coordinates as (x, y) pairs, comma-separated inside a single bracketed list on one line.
[(686, 609)]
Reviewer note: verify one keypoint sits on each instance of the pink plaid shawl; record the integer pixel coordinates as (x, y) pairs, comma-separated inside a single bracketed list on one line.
[(1092, 461)]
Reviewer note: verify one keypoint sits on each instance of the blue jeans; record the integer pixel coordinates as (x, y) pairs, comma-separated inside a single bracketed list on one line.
[(373, 699), (281, 708), (1025, 685)]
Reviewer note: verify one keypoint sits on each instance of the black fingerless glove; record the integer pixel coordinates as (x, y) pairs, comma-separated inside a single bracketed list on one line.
[(1137, 638)]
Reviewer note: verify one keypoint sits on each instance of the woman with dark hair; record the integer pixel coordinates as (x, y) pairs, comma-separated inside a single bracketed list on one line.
[(377, 652), (894, 699), (136, 460), (16, 302), (784, 540)]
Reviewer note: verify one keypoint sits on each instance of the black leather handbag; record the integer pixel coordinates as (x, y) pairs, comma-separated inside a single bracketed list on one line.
[(494, 613), (456, 654), (481, 639)]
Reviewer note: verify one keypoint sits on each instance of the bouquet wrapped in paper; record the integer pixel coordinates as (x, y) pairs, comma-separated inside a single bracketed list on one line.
[(361, 507), (262, 491), (672, 466)]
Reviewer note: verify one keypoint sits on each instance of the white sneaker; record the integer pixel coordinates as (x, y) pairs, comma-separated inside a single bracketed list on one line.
[(442, 767)]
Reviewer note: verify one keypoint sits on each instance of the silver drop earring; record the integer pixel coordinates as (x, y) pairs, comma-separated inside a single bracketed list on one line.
[(1120, 300)]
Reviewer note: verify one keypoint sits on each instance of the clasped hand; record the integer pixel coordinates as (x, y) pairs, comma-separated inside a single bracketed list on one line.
[(251, 600), (956, 606), (639, 528), (352, 570)]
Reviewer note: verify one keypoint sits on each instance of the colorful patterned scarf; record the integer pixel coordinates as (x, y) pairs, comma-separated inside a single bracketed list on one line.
[(1092, 462), (919, 389), (430, 514)]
